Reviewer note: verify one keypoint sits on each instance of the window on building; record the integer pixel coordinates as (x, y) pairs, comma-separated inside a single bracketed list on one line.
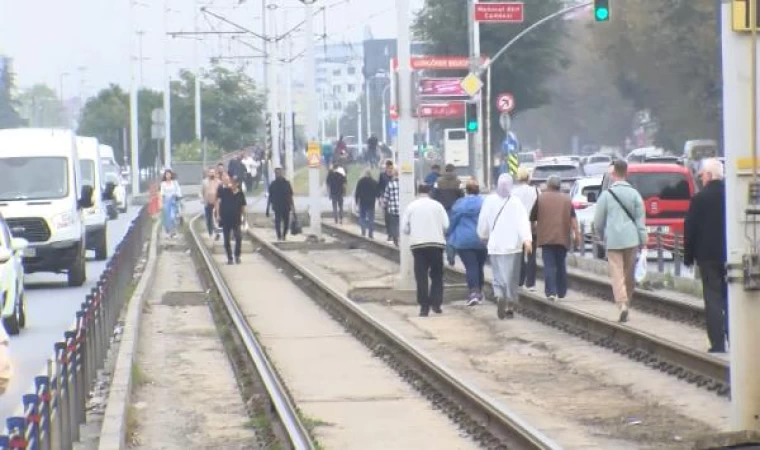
[(336, 90), (338, 106), (352, 70), (351, 88), (326, 106), (336, 72)]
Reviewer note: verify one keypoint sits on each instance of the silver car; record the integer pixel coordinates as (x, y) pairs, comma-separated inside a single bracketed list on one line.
[(583, 205)]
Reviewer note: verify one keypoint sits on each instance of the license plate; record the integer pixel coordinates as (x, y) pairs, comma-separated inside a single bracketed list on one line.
[(660, 229), (30, 252)]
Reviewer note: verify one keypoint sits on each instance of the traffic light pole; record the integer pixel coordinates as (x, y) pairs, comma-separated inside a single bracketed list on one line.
[(312, 119), (475, 140)]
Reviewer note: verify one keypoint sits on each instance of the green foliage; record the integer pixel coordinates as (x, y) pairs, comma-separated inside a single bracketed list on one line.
[(523, 70), (41, 107), (666, 56), (9, 116), (193, 151)]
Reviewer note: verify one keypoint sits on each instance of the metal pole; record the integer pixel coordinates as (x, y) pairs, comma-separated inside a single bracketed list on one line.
[(487, 125), (133, 106), (198, 112), (476, 140), (315, 210), (167, 92), (367, 104), (359, 131), (405, 136), (744, 308), (273, 103), (384, 115), (289, 144)]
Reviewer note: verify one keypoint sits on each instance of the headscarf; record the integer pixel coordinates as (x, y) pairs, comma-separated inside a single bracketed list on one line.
[(504, 186)]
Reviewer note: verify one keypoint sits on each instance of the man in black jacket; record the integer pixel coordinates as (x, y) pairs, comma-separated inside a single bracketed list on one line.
[(280, 199), (365, 196), (705, 236), (448, 188)]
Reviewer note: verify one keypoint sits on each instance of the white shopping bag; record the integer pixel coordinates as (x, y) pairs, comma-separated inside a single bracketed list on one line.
[(641, 266)]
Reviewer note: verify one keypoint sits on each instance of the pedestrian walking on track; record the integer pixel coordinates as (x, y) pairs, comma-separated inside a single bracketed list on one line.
[(209, 190), (365, 195), (280, 200), (448, 188), (231, 209), (619, 222), (425, 222), (463, 237), (528, 195), (336, 187), (382, 182), (705, 235), (554, 215), (503, 222), (392, 208)]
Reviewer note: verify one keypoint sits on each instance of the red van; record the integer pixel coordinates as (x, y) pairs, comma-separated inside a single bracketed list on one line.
[(667, 190)]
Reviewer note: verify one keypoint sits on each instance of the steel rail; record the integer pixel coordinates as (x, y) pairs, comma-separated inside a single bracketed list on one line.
[(705, 370), (285, 409), (489, 422)]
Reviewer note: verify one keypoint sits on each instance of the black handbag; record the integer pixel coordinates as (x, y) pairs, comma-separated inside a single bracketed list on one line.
[(295, 227)]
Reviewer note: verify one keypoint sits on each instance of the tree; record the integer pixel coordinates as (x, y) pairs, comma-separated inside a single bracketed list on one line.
[(523, 70), (9, 117), (193, 151), (41, 107)]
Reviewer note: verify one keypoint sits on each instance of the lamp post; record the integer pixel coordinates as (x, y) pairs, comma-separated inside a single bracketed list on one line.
[(312, 121)]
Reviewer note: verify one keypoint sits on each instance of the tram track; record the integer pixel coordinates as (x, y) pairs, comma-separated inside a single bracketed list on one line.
[(702, 369)]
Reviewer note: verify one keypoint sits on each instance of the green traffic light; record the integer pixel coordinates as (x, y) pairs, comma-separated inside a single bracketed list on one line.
[(602, 14), (472, 127)]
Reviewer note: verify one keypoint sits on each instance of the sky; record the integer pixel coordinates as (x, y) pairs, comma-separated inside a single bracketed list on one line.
[(84, 45)]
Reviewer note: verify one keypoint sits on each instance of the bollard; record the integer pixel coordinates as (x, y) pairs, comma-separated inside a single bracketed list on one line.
[(677, 255), (660, 260), (73, 384), (31, 404), (63, 407), (42, 383), (16, 433), (583, 239)]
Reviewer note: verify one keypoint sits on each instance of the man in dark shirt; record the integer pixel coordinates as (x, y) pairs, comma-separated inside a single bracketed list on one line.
[(336, 184), (231, 207), (372, 156), (280, 199), (236, 168), (365, 196)]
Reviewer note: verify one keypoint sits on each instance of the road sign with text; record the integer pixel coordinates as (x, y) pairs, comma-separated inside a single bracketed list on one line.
[(509, 12), (439, 62), (440, 87), (450, 110)]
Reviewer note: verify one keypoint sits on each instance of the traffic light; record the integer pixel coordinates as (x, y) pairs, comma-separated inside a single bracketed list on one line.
[(471, 117), (601, 10)]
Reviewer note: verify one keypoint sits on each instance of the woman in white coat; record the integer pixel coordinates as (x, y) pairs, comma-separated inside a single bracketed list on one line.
[(503, 222)]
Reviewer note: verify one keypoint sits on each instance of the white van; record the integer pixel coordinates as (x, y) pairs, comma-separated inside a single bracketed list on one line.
[(95, 217), (42, 199), (107, 156)]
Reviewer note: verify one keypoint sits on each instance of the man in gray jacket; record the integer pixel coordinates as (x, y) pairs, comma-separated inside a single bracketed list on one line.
[(619, 222)]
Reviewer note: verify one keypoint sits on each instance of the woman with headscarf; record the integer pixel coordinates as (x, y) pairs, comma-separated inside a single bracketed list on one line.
[(503, 222)]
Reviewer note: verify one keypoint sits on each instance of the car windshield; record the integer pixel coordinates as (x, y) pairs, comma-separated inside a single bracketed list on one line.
[(526, 157), (665, 186), (33, 178), (561, 170), (87, 166)]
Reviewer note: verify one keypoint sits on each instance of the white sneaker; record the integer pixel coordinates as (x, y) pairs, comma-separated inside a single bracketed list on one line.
[(532, 289), (552, 298), (473, 301)]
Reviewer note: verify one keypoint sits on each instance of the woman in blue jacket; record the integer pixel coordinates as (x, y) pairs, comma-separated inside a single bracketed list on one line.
[(463, 236)]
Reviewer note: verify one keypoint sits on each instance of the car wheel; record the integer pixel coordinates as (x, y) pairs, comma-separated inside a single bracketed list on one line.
[(78, 272), (22, 312), (11, 323), (101, 249)]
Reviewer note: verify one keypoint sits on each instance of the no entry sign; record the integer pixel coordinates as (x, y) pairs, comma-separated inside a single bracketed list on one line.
[(505, 102)]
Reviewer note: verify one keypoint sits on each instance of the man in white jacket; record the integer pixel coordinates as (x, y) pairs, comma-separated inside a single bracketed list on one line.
[(425, 222), (504, 223)]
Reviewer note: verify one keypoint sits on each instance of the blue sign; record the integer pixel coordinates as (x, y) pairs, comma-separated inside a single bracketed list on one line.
[(510, 144), (393, 128)]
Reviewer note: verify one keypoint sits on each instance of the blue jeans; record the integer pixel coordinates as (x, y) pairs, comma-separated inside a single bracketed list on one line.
[(474, 260), (555, 270), (169, 214), (367, 220)]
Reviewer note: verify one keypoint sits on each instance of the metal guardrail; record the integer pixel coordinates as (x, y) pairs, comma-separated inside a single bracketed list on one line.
[(51, 414), (286, 410)]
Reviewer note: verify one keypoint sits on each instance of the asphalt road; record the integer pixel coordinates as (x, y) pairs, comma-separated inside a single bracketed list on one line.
[(52, 307)]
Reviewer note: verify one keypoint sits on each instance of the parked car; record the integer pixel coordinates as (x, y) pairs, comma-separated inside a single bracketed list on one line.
[(583, 203), (568, 171), (667, 190), (119, 191), (14, 311), (596, 165), (527, 160)]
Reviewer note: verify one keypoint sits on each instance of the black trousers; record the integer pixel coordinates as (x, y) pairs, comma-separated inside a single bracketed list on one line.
[(232, 230), (715, 292), (428, 268), (281, 223)]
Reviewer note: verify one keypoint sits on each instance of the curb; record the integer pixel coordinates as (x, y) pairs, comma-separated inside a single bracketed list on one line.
[(113, 431)]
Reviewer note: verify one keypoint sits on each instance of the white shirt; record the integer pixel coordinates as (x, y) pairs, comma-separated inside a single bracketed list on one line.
[(250, 166), (527, 194), (170, 189), (506, 233), (425, 221)]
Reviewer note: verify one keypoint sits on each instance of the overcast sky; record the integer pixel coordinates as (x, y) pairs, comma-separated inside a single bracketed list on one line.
[(89, 39)]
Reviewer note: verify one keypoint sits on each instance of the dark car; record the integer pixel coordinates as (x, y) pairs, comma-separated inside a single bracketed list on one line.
[(568, 171)]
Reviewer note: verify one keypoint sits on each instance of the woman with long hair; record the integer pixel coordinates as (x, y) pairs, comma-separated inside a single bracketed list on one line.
[(170, 194)]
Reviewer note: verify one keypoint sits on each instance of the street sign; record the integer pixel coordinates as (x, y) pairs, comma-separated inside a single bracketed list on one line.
[(450, 110), (471, 84), (505, 102), (393, 112), (393, 128), (505, 121), (439, 62), (157, 116), (740, 15), (508, 12), (440, 87), (314, 155)]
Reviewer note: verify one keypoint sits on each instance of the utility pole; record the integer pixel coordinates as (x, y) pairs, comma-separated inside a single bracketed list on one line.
[(272, 86), (133, 105), (476, 139), (740, 145), (167, 92), (315, 209), (196, 51), (289, 144), (367, 102), (405, 147)]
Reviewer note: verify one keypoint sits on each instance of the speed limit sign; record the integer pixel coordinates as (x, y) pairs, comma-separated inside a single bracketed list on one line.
[(505, 102)]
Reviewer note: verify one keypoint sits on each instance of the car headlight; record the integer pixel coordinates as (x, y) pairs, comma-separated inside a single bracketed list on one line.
[(63, 220)]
